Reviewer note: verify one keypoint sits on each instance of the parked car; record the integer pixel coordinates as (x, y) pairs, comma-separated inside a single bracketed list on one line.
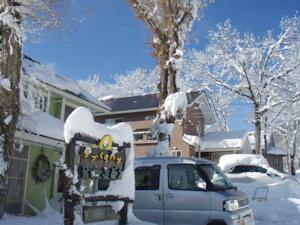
[(247, 163), (187, 191)]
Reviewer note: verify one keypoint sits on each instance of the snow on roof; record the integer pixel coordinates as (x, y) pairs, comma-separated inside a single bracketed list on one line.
[(42, 124), (276, 151), (222, 140), (141, 102), (46, 74), (227, 162), (191, 139)]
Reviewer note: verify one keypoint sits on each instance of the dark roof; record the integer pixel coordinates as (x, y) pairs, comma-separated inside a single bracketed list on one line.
[(141, 102)]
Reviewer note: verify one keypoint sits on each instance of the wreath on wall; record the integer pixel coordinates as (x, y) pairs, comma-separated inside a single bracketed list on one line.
[(41, 169)]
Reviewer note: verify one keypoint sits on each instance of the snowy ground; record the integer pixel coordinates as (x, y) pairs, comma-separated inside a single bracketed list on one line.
[(282, 206)]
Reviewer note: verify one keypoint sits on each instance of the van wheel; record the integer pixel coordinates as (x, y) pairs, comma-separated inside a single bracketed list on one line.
[(217, 222)]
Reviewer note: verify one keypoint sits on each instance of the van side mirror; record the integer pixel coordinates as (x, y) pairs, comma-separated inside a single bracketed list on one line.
[(201, 185)]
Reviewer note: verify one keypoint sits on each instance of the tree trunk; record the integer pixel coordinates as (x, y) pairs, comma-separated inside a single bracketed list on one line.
[(11, 63), (257, 133), (292, 158), (265, 137), (163, 85)]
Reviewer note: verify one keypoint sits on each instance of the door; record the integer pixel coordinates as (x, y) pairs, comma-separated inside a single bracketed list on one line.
[(186, 200), (148, 205)]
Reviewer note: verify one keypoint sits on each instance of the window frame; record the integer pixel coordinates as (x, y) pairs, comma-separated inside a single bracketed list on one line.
[(180, 189), (113, 121), (156, 175), (176, 151), (146, 136)]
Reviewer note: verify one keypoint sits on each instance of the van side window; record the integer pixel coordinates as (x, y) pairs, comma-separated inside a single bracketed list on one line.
[(185, 177), (147, 177)]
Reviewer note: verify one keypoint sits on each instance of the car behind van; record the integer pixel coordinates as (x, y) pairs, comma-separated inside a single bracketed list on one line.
[(187, 191)]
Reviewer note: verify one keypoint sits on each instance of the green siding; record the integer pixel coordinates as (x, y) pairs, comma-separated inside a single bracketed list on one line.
[(55, 106), (35, 191)]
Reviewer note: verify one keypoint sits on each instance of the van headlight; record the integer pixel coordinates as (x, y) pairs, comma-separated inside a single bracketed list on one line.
[(231, 205)]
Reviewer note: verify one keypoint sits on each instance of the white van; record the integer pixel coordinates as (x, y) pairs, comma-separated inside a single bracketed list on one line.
[(187, 191)]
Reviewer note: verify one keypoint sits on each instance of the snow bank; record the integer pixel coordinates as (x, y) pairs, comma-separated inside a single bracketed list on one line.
[(282, 206)]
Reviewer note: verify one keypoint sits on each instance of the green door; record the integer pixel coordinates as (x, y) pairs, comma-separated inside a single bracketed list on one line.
[(34, 187)]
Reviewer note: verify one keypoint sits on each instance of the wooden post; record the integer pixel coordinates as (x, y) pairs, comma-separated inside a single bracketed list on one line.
[(68, 198), (123, 214)]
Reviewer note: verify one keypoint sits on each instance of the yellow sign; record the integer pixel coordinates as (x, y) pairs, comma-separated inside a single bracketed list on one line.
[(106, 143)]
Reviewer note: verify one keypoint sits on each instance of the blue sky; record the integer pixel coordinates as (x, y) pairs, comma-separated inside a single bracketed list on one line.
[(111, 40)]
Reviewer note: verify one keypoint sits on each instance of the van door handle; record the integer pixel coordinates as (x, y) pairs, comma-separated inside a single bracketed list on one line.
[(168, 196), (157, 197)]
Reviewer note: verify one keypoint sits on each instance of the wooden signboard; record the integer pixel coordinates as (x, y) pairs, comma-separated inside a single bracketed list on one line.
[(104, 160)]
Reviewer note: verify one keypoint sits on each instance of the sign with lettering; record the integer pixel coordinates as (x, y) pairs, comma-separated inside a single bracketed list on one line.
[(103, 160)]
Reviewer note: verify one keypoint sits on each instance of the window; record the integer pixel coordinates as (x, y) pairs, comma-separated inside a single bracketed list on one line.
[(215, 177), (276, 161), (147, 178), (41, 102), (114, 121), (68, 111), (55, 105), (176, 153), (185, 177), (246, 168), (34, 94), (192, 177), (143, 135)]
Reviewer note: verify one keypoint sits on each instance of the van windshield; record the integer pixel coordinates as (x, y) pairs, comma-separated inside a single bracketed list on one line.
[(215, 177)]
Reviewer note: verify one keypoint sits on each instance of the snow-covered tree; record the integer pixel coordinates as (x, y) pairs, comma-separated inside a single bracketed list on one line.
[(169, 21), (286, 120), (16, 18), (136, 82), (253, 67)]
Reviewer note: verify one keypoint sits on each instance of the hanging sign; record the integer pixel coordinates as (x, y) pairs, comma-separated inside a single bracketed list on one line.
[(104, 160)]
